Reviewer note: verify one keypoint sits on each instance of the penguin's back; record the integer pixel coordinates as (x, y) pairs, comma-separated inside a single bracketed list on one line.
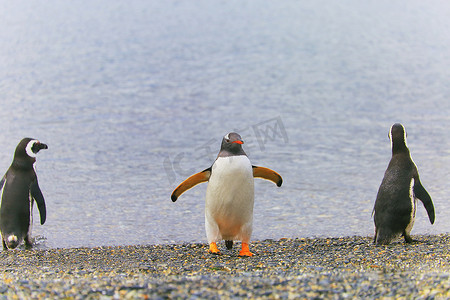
[(393, 205)]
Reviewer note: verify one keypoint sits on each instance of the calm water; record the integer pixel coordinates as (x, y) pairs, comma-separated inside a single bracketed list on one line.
[(132, 97)]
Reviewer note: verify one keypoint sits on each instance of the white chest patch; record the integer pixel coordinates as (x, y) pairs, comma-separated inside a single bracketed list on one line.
[(230, 175)]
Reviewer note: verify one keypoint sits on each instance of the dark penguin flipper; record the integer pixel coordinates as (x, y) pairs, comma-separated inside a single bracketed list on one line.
[(229, 244), (190, 183), (421, 194), (39, 198), (268, 174)]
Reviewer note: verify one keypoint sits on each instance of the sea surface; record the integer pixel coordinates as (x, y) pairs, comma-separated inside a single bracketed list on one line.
[(134, 96)]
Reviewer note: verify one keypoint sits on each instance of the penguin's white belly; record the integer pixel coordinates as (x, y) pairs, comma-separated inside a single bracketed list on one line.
[(229, 199)]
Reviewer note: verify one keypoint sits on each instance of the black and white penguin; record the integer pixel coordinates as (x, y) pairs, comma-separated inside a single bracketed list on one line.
[(19, 188), (229, 195), (395, 206)]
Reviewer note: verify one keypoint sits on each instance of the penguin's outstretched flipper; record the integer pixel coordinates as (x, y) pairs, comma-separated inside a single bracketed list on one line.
[(268, 174), (422, 194), (190, 182), (36, 193)]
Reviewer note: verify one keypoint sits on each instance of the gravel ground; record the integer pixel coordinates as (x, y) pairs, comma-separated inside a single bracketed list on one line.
[(333, 268)]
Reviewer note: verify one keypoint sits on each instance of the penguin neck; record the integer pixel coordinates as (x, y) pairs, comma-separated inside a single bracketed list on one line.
[(399, 148), (23, 164), (226, 153)]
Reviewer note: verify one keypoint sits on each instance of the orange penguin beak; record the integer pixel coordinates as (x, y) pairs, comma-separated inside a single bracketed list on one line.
[(238, 142)]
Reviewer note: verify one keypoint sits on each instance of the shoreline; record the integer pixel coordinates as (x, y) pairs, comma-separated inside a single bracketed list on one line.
[(331, 268)]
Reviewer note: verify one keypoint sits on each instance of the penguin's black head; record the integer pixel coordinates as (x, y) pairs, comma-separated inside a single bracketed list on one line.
[(397, 135), (37, 146), (231, 145), (28, 148)]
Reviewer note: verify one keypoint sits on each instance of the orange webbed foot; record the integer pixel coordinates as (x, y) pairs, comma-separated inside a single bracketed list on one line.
[(213, 249), (245, 251)]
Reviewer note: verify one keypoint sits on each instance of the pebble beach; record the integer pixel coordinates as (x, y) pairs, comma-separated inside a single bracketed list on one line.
[(324, 268)]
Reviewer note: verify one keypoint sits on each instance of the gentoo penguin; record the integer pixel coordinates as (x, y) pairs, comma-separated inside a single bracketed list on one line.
[(229, 195), (19, 188), (395, 206)]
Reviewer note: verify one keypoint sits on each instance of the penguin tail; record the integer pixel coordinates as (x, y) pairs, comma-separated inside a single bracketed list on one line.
[(229, 244)]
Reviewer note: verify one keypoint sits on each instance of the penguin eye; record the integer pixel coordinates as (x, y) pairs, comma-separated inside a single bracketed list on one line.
[(227, 140)]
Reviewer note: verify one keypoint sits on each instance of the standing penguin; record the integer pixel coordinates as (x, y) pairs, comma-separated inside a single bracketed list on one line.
[(19, 188), (229, 195), (395, 206)]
